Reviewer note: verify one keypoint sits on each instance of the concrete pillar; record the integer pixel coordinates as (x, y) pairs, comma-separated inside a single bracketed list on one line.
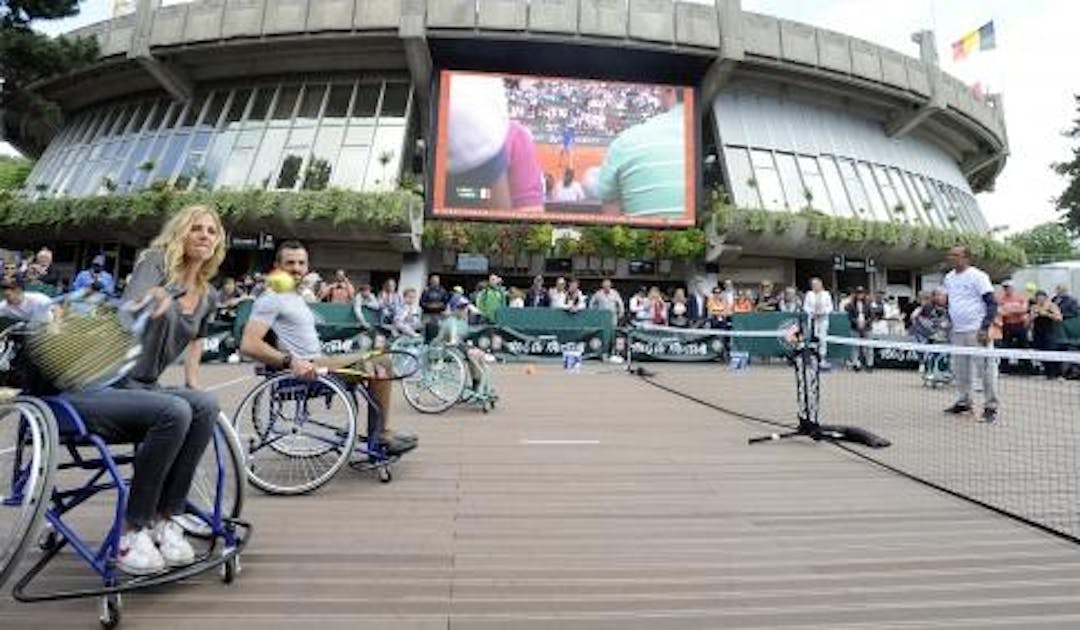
[(414, 271)]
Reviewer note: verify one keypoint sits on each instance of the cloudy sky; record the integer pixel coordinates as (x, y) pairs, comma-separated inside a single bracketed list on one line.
[(1035, 66)]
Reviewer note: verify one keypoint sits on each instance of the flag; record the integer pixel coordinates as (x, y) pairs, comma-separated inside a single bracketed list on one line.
[(981, 39)]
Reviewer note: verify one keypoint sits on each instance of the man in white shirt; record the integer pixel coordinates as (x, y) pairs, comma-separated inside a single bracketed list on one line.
[(972, 309), (27, 306), (608, 299), (818, 305)]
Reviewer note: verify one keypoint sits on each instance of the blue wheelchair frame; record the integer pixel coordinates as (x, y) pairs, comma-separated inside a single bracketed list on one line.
[(302, 393), (107, 476)]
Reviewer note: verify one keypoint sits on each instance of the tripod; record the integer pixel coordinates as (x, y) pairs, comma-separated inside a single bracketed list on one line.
[(805, 357)]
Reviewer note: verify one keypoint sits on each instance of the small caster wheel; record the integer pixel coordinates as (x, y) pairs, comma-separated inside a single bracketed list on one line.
[(230, 569), (110, 611), (385, 476), (48, 540)]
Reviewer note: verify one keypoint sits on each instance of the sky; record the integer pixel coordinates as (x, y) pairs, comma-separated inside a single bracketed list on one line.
[(1034, 66)]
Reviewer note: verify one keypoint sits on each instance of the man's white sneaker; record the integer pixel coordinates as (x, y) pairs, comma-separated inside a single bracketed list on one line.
[(137, 554), (193, 525), (174, 548)]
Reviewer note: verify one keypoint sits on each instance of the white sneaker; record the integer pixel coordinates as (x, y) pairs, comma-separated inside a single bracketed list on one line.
[(175, 549), (193, 525), (137, 554)]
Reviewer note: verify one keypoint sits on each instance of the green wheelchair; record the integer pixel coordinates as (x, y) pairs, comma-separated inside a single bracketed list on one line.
[(445, 377)]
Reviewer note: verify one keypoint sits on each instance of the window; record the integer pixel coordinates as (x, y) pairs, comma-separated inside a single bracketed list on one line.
[(395, 100), (814, 184), (191, 114), (238, 105), (367, 100), (213, 110), (789, 178), (740, 175), (878, 210), (385, 166), (323, 157), (349, 171), (888, 192), (337, 106), (266, 162), (837, 194), (286, 102), (261, 104), (860, 202), (766, 179), (311, 104)]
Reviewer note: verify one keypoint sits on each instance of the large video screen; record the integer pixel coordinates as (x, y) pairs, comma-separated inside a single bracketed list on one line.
[(564, 150)]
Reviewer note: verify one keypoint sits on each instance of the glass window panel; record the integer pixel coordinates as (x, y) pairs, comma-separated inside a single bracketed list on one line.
[(191, 114), (286, 102), (789, 178), (218, 155), (120, 122), (937, 217), (835, 183), (915, 208), (909, 215), (767, 179), (138, 118), (395, 100), (311, 103), (301, 137), (261, 104), (238, 105), (887, 192), (740, 175), (873, 193), (266, 163), (360, 134), (213, 110), (290, 170), (349, 171), (385, 160), (170, 157), (337, 106), (319, 171), (236, 168), (814, 183), (249, 138), (200, 141), (367, 100), (951, 220), (171, 114), (138, 156)]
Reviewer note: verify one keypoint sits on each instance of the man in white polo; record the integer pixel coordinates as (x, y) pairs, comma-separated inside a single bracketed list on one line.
[(972, 308)]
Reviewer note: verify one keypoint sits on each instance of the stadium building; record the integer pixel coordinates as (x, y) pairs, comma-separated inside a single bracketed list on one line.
[(295, 95)]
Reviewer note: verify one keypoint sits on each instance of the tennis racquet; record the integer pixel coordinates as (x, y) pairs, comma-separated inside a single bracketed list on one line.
[(377, 365)]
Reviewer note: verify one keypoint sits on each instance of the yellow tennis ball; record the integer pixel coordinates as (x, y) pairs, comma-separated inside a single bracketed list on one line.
[(280, 282)]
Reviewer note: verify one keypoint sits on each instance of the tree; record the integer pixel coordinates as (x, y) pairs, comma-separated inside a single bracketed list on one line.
[(1069, 201), (13, 172), (29, 56), (1044, 243)]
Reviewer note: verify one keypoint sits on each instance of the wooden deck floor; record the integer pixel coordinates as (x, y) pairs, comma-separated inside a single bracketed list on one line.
[(596, 501)]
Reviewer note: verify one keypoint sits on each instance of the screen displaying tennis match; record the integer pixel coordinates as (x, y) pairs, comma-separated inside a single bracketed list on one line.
[(564, 150)]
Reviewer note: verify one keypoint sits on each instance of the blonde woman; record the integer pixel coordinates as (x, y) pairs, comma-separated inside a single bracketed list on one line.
[(172, 425)]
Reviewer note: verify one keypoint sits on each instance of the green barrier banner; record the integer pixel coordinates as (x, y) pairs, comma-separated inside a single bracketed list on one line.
[(667, 345), (508, 342)]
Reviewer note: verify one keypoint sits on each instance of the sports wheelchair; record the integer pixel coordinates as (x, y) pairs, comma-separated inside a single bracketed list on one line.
[(443, 378), (51, 465), (299, 433)]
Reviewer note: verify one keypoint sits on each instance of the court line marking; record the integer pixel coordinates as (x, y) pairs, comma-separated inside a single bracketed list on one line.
[(558, 442)]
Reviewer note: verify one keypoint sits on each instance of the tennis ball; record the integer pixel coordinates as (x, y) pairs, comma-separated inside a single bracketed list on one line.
[(280, 282)]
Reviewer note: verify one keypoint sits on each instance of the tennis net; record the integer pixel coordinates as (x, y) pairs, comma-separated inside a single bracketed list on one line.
[(1022, 460)]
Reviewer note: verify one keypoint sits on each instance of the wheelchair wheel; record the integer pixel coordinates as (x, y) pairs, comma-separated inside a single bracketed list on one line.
[(28, 454), (295, 434), (224, 461), (439, 383)]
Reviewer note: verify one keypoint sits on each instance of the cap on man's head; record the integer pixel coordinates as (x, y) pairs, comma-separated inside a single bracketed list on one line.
[(860, 289), (1006, 283), (98, 260)]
